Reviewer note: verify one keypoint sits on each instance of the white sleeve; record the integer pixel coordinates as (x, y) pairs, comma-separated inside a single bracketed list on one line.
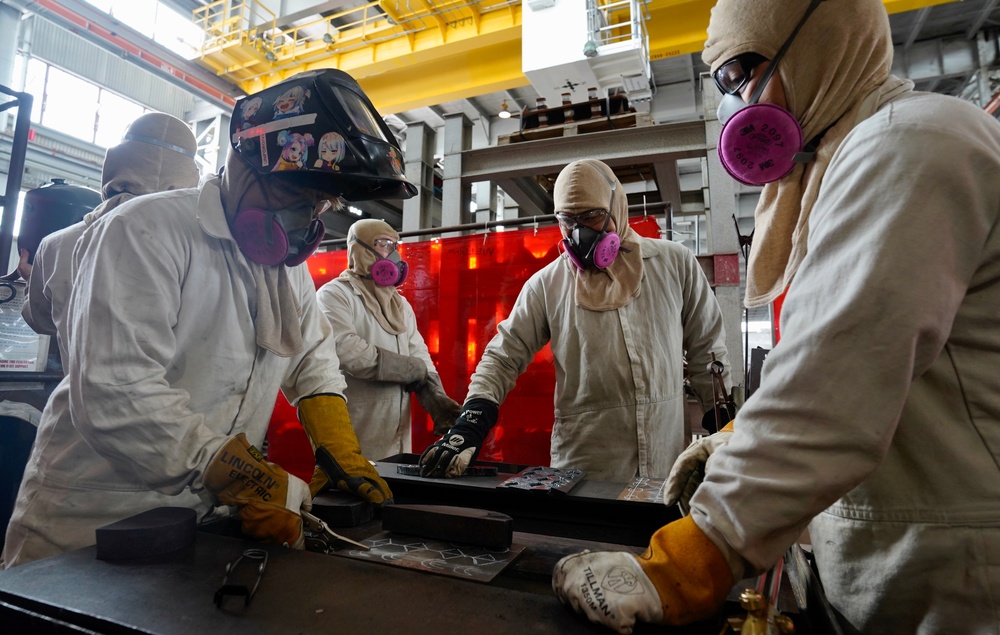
[(316, 370), (358, 357), (37, 310), (894, 239), (123, 306)]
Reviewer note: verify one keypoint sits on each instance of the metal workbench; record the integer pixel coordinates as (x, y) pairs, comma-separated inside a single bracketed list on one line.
[(306, 592)]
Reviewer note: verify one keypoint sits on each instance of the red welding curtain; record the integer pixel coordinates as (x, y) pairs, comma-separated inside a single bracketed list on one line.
[(460, 289)]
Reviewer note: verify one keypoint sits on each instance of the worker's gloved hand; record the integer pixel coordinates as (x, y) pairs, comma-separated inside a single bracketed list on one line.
[(681, 578), (688, 470), (443, 409), (267, 498), (338, 453), (450, 455), (399, 369)]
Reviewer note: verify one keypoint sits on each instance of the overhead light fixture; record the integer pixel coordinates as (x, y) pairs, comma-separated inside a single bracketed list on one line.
[(590, 49), (504, 112), (328, 38), (271, 57)]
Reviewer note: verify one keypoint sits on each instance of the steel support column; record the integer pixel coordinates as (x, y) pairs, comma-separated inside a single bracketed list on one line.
[(720, 207), (419, 169), (456, 195)]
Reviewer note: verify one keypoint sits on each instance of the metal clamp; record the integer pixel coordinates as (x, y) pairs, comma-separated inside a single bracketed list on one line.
[(247, 593), (325, 535)]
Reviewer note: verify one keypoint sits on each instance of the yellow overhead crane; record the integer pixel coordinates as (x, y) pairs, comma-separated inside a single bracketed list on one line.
[(412, 53)]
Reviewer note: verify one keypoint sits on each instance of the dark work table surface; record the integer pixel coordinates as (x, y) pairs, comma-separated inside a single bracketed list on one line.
[(300, 592)]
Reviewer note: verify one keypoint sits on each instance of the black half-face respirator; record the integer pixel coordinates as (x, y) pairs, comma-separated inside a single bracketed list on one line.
[(760, 143), (388, 271), (586, 247)]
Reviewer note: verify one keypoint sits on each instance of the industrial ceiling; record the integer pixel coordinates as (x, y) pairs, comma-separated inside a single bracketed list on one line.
[(422, 60)]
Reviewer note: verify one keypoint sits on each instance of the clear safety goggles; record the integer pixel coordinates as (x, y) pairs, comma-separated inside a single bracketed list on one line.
[(590, 217), (385, 244)]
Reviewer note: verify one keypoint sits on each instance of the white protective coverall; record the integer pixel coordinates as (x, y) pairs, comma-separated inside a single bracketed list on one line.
[(878, 413), (165, 368), (156, 155), (380, 411), (619, 396), (884, 384)]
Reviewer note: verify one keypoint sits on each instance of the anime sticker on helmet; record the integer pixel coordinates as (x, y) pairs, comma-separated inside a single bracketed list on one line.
[(291, 102), (394, 162), (248, 109), (356, 158), (331, 149), (294, 150)]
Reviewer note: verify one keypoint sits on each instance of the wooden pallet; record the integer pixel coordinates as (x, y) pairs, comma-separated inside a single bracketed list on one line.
[(624, 120)]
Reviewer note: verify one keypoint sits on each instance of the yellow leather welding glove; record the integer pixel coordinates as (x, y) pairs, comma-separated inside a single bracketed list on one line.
[(267, 498), (688, 470), (681, 578), (338, 452)]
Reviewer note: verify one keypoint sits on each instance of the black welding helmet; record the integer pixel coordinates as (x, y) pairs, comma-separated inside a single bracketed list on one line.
[(319, 129), (50, 208)]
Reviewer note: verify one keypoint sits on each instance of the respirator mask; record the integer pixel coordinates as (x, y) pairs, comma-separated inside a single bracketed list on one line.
[(759, 143), (587, 247), (388, 271), (263, 237)]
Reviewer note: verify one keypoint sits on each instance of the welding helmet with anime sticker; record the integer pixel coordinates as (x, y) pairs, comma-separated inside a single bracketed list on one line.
[(319, 130)]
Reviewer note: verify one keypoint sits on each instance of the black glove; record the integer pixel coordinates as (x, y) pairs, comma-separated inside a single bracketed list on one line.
[(451, 454)]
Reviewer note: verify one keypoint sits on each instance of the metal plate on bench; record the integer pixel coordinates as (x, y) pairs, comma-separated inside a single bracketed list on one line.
[(547, 479), (467, 562)]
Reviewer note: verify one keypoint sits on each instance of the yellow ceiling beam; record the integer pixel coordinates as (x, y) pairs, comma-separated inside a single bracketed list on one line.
[(472, 56), (679, 27), (477, 72), (411, 58)]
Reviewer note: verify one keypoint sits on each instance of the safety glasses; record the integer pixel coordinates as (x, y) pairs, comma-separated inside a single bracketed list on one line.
[(590, 217), (386, 244), (734, 75)]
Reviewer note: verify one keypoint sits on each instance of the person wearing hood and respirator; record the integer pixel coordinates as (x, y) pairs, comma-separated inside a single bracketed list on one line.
[(382, 354), (156, 154), (619, 311), (189, 310), (877, 420)]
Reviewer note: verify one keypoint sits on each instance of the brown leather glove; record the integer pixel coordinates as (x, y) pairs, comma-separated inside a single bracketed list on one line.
[(267, 498), (338, 452), (443, 409)]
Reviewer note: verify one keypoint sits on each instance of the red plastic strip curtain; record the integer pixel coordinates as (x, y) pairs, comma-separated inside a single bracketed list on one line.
[(460, 289)]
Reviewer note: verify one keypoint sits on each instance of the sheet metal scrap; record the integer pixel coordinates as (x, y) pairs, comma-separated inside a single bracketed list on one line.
[(547, 479)]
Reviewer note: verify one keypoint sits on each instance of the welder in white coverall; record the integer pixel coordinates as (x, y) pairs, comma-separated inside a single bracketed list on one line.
[(190, 309), (382, 354), (877, 420), (156, 154), (619, 324)]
